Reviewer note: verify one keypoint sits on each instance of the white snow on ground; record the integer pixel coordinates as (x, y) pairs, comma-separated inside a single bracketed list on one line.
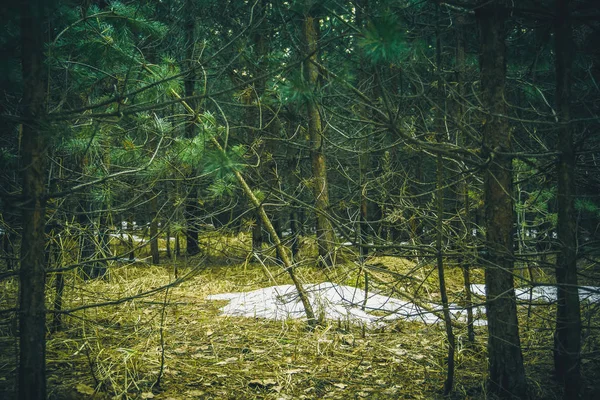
[(545, 294), (333, 301), (337, 302), (125, 237)]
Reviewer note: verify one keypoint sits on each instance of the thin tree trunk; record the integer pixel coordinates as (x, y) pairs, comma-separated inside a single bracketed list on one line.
[(448, 383), (439, 195), (32, 273), (168, 238), (257, 235), (154, 229), (276, 221), (325, 237), (567, 344), (506, 370), (295, 233), (466, 268), (130, 242)]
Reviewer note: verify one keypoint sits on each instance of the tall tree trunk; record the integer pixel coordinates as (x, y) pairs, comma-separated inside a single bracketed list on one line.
[(189, 83), (463, 186), (325, 237), (254, 115), (263, 115), (364, 158), (568, 315), (506, 370), (32, 273), (439, 197)]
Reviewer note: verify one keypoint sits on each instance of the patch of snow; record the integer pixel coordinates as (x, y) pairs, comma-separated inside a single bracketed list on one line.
[(478, 290), (125, 236), (135, 260), (345, 303), (544, 294), (590, 293), (333, 301)]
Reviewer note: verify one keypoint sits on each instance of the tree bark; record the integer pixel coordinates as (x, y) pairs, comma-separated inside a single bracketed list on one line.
[(32, 273), (463, 186), (567, 343), (189, 83), (364, 158), (439, 197), (325, 237), (506, 370)]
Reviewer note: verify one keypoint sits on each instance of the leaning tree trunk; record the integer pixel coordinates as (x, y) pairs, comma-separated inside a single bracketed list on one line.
[(325, 237), (32, 273), (506, 370), (568, 315), (281, 248)]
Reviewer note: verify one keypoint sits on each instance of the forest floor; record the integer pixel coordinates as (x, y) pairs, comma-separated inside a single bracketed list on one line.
[(176, 344)]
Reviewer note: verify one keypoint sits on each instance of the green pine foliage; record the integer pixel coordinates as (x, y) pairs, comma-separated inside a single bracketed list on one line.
[(101, 54), (295, 90), (384, 40), (190, 152), (587, 205), (224, 164), (221, 188)]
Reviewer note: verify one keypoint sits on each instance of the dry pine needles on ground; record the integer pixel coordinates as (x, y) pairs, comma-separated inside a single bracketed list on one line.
[(119, 351)]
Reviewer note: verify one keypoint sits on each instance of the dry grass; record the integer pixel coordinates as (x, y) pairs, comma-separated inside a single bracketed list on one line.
[(116, 351)]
